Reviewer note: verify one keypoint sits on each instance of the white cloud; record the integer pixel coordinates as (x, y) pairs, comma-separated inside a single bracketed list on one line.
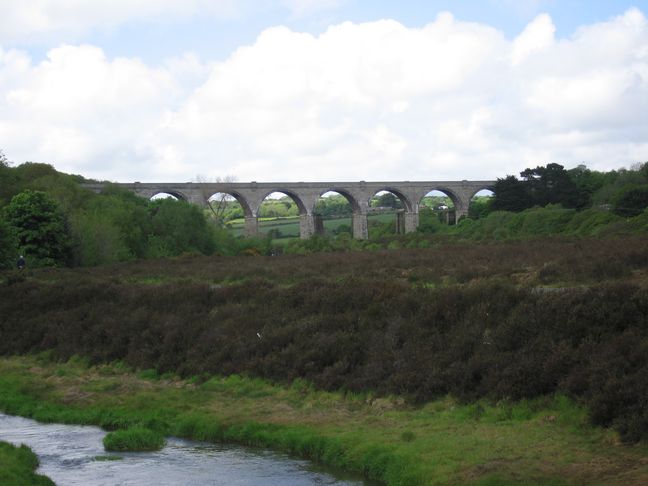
[(538, 35), (77, 108), (451, 100)]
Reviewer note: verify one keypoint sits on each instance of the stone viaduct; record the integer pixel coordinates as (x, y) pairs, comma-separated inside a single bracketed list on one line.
[(306, 194)]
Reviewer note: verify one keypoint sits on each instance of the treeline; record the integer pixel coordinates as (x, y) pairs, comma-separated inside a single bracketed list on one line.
[(487, 338), (624, 191), (51, 220)]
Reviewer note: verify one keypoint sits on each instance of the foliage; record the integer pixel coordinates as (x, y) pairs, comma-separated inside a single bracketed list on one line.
[(17, 466), (540, 186), (533, 222), (8, 245), (98, 239), (119, 226), (631, 200), (480, 206), (134, 439), (550, 185), (278, 208), (587, 183), (40, 227), (616, 180), (113, 226), (511, 195), (178, 227), (334, 205), (7, 181), (387, 200)]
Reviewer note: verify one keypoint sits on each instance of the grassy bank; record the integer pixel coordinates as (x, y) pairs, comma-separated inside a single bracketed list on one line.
[(17, 466), (541, 441)]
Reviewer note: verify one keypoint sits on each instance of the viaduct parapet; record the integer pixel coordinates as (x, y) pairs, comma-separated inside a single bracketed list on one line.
[(306, 194)]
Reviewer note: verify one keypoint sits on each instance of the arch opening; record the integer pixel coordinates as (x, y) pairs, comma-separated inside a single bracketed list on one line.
[(436, 207), (386, 213), (279, 215), (167, 195), (228, 210), (333, 213), (480, 204)]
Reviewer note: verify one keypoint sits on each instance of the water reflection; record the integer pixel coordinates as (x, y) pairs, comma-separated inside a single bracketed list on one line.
[(69, 455)]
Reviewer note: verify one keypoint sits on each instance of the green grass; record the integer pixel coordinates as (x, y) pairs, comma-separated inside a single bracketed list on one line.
[(541, 441), (17, 466), (134, 439), (289, 227)]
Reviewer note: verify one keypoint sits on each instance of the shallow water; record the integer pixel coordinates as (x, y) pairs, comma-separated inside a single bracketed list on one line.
[(68, 453)]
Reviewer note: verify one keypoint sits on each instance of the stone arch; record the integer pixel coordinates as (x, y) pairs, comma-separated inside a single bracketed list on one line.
[(291, 194), (172, 192), (474, 191), (479, 204), (407, 218), (318, 219), (456, 200), (407, 202), (449, 216), (247, 210), (355, 205)]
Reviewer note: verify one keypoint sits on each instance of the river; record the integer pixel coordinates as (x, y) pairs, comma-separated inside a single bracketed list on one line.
[(72, 455)]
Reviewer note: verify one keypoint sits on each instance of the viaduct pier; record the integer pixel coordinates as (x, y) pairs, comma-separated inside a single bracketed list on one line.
[(306, 194)]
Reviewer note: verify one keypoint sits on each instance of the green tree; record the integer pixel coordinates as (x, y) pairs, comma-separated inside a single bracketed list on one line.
[(643, 170), (387, 200), (510, 194), (479, 207), (97, 239), (7, 180), (178, 227), (550, 185), (40, 228), (631, 200), (128, 213), (587, 183), (333, 205), (8, 245)]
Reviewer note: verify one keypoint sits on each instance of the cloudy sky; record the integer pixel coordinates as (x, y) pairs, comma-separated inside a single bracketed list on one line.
[(300, 90)]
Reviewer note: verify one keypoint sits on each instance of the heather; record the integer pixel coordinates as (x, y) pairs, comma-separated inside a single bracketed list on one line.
[(505, 321)]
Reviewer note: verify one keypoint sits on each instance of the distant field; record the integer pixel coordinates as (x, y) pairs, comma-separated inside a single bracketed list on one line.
[(289, 227)]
